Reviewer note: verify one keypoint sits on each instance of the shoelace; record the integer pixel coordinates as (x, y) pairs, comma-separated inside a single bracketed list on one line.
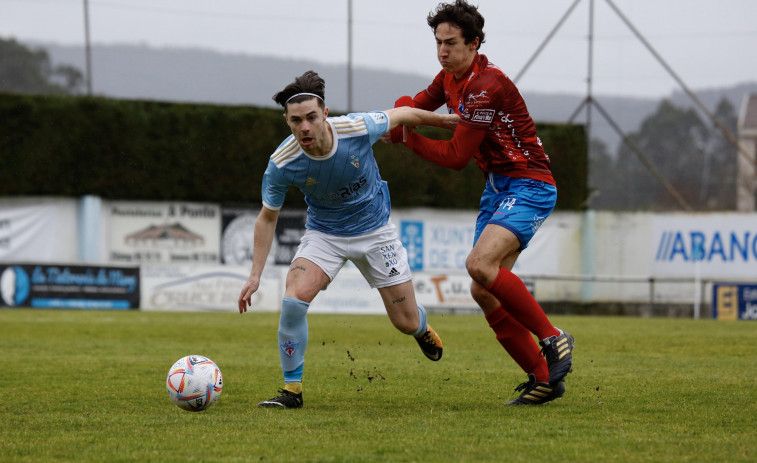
[(525, 385)]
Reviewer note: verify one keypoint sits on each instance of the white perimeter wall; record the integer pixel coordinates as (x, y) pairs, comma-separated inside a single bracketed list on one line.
[(621, 251)]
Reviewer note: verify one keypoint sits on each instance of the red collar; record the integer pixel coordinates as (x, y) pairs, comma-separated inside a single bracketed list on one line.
[(472, 71)]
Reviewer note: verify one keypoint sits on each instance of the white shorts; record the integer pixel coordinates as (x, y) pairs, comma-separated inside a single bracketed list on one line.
[(378, 254)]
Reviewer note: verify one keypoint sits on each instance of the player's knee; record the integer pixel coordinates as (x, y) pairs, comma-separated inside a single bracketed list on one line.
[(476, 268)]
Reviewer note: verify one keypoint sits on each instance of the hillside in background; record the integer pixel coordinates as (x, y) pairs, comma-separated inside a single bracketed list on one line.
[(202, 76)]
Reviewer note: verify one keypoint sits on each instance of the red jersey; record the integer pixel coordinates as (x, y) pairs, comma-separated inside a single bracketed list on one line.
[(488, 99)]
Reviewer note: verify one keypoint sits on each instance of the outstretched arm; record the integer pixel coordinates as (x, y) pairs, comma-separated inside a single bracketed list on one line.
[(454, 153), (412, 117), (265, 227)]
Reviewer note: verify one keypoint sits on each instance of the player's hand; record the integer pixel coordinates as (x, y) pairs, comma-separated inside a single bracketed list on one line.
[(398, 134), (245, 297), (404, 100)]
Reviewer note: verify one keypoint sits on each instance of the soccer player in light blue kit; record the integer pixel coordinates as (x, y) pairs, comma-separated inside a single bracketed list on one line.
[(331, 161)]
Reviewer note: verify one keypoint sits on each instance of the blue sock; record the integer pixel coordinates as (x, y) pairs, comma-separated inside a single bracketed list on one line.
[(422, 321), (293, 338)]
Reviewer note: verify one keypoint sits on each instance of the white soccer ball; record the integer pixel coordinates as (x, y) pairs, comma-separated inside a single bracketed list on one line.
[(194, 383)]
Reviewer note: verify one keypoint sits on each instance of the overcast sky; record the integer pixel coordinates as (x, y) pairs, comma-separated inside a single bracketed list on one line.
[(707, 43)]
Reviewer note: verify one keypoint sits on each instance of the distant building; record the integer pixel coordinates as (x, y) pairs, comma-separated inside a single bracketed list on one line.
[(746, 177)]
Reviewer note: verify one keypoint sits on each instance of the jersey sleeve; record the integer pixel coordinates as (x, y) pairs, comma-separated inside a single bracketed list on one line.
[(274, 187), (432, 97), (454, 153), (377, 124)]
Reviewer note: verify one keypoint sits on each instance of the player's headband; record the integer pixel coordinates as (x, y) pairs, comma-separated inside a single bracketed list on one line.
[(303, 94)]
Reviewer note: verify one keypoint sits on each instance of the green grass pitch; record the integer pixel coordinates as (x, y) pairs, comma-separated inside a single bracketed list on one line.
[(90, 386)]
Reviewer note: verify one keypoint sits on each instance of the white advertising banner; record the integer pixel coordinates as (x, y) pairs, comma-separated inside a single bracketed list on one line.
[(440, 241), (711, 245), (237, 235), (205, 288), (38, 230), (444, 290), (549, 244), (350, 293), (436, 241), (163, 232)]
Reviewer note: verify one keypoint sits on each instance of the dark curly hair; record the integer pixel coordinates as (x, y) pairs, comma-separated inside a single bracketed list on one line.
[(461, 14), (309, 82)]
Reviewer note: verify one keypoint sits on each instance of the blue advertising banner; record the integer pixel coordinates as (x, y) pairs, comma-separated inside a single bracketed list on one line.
[(734, 301), (709, 244), (69, 286)]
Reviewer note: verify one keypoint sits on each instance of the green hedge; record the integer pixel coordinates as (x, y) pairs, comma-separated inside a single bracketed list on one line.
[(141, 150)]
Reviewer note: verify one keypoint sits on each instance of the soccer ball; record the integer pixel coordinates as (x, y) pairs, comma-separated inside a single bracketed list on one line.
[(194, 383)]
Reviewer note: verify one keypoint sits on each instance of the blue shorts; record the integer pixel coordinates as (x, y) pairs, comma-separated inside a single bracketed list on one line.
[(519, 204)]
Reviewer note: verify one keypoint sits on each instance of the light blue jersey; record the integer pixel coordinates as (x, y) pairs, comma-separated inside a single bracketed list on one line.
[(343, 190)]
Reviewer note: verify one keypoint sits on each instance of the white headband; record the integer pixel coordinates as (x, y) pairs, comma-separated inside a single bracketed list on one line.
[(303, 94)]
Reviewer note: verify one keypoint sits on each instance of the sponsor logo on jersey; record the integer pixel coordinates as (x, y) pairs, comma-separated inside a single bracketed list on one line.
[(479, 98), (483, 115), (349, 192)]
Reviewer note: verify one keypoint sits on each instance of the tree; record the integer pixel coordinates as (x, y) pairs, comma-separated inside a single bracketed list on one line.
[(718, 187), (694, 157), (604, 194), (23, 70)]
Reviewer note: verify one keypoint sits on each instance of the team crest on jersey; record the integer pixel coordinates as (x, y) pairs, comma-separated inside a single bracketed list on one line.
[(311, 181), (354, 161), (380, 118), (289, 347)]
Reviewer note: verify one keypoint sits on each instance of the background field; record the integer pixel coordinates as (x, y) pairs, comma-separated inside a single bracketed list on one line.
[(90, 386)]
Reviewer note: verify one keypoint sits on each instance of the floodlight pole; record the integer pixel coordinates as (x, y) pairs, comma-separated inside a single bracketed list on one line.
[(349, 56), (590, 71), (87, 51)]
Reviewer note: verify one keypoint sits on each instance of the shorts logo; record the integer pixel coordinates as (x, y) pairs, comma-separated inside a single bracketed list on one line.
[(508, 203), (483, 115), (536, 223), (289, 347), (394, 272)]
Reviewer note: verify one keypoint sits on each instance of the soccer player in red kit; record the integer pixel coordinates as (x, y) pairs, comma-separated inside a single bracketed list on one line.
[(496, 130)]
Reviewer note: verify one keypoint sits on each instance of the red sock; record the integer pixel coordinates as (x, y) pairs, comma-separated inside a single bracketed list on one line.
[(513, 294), (519, 343)]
